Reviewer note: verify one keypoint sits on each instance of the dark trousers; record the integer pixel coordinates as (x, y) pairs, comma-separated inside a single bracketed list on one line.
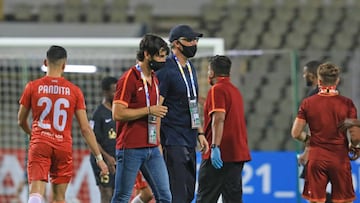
[(181, 165), (226, 181)]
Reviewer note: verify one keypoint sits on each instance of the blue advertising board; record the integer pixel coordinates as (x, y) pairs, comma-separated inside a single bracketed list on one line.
[(273, 177)]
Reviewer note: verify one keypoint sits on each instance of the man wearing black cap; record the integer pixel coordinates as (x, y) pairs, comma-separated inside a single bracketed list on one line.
[(181, 127)]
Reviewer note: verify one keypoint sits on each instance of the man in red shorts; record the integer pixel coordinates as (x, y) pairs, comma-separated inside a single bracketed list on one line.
[(328, 159), (53, 101)]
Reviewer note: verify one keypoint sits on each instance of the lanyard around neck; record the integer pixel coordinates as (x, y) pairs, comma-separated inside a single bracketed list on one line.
[(147, 95), (184, 78)]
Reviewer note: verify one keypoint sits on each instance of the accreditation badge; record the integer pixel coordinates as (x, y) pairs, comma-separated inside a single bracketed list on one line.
[(152, 129), (194, 113)]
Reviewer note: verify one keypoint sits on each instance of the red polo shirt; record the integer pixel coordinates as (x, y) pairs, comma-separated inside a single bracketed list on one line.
[(225, 97), (130, 92)]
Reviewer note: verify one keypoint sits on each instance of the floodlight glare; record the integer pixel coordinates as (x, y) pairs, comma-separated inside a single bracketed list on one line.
[(76, 68)]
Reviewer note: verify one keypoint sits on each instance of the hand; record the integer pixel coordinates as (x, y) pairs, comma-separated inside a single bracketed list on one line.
[(201, 100), (354, 152), (216, 158), (160, 149), (103, 167), (204, 145), (347, 123), (111, 163), (158, 110), (354, 132), (303, 158)]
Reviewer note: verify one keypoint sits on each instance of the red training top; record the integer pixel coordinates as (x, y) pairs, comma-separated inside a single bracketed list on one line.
[(225, 97), (130, 92)]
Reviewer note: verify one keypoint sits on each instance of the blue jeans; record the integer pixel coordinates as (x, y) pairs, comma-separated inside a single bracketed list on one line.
[(152, 165)]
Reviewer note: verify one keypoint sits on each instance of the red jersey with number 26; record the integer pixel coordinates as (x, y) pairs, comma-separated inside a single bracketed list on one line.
[(53, 102)]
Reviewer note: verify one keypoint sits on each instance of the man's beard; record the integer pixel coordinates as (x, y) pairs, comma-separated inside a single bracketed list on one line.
[(309, 83)]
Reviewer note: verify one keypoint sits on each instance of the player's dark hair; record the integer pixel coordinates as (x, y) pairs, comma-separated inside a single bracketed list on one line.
[(153, 44), (328, 73), (55, 53), (107, 82), (312, 67), (220, 65)]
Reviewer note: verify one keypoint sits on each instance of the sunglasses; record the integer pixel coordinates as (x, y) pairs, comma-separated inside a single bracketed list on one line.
[(189, 39)]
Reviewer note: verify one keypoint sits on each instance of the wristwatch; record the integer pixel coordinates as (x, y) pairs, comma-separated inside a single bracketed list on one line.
[(214, 146)]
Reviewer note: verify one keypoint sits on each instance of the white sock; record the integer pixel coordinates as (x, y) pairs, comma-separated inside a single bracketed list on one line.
[(137, 199), (35, 198)]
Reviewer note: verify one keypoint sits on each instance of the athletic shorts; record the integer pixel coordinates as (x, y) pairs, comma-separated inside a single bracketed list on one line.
[(318, 174), (45, 160), (140, 182)]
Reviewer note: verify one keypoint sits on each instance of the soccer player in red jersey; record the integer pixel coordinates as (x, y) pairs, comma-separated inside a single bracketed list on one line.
[(225, 128), (328, 159), (53, 101), (137, 112), (143, 191)]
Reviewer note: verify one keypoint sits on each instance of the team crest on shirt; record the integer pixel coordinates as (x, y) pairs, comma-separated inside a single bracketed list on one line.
[(112, 134), (140, 89)]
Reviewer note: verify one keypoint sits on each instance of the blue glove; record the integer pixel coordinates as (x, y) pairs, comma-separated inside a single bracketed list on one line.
[(216, 158)]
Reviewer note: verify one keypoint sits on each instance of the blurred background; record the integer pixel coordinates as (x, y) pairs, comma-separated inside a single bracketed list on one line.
[(269, 41)]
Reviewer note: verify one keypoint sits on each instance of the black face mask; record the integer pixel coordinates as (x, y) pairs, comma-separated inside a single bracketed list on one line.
[(189, 51), (155, 65)]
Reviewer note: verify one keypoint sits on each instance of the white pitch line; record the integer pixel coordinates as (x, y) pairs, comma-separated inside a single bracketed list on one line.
[(284, 194)]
